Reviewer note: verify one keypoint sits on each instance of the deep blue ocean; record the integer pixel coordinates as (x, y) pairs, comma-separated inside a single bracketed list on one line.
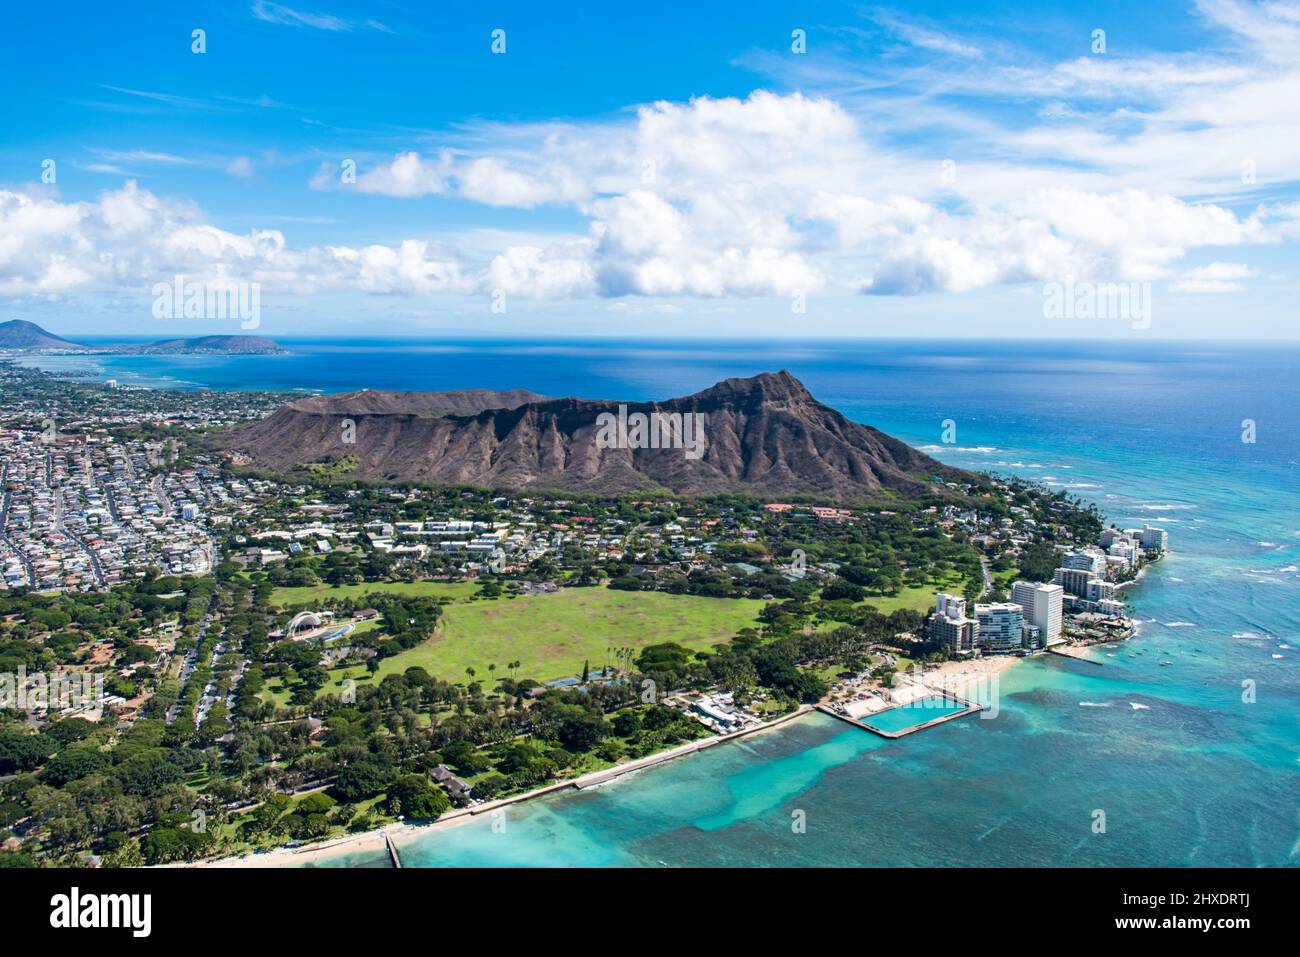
[(1164, 738)]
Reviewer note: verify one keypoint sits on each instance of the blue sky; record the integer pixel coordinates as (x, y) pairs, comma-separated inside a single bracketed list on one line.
[(671, 170)]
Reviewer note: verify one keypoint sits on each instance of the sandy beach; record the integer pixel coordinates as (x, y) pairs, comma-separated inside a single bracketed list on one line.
[(975, 678), (958, 676), (298, 856)]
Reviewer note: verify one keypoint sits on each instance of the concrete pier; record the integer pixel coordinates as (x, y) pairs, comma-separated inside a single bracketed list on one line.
[(970, 708), (1069, 651)]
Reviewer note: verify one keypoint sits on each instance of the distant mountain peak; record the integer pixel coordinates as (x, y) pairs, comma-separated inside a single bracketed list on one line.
[(765, 435), (764, 387), (19, 334)]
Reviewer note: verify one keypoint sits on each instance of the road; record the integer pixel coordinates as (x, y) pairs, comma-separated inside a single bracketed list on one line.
[(112, 502), (4, 524), (189, 663), (156, 484), (213, 551), (90, 552)]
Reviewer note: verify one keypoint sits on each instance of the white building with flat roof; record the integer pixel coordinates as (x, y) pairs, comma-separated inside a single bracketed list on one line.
[(1126, 550), (1152, 538), (1044, 607), (1001, 626), (1100, 590), (1093, 562)]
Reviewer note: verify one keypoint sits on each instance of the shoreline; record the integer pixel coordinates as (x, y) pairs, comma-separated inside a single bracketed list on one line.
[(958, 675), (955, 676), (1146, 567), (400, 831)]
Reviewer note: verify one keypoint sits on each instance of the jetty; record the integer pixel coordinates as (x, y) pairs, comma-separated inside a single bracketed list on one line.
[(970, 707), (1078, 654), (392, 850)]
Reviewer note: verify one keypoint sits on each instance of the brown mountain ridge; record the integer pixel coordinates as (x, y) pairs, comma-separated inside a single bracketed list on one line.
[(765, 435)]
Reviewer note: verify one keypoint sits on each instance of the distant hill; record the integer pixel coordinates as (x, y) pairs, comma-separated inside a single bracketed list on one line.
[(18, 335), (224, 345), (765, 435)]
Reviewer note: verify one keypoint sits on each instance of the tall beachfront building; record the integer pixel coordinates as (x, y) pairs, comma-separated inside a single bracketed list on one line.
[(1153, 539), (1043, 605), (1001, 627), (1074, 580), (950, 626)]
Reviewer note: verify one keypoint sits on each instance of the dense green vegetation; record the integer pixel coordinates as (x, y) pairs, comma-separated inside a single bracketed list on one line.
[(322, 738)]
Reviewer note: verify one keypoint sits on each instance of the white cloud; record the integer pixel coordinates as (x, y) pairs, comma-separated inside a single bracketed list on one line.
[(287, 16), (145, 156), (925, 38), (1216, 277), (495, 182), (413, 268), (558, 272), (770, 195), (130, 238), (490, 180), (409, 174)]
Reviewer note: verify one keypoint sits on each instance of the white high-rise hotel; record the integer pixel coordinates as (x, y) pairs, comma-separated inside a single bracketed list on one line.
[(1043, 605)]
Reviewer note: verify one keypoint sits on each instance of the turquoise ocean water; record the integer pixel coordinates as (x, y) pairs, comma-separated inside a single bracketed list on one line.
[(1158, 739)]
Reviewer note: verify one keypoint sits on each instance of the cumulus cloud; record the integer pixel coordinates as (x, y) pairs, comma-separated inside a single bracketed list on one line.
[(490, 180), (409, 174), (767, 195), (495, 182), (130, 238), (558, 272), (772, 195), (413, 268)]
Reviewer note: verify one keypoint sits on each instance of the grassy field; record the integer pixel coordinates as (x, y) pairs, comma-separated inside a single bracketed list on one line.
[(553, 634), (1005, 579), (305, 595), (915, 598)]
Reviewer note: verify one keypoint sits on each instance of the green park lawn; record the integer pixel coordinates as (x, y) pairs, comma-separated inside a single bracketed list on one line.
[(551, 635), (911, 597)]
